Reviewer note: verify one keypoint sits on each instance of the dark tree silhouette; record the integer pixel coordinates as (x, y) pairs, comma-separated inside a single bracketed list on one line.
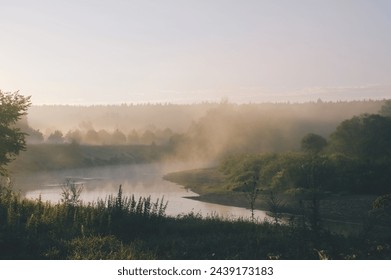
[(313, 143), (12, 140), (56, 137)]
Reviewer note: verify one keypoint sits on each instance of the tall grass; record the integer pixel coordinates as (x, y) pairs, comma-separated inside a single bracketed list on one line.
[(122, 227), (128, 205)]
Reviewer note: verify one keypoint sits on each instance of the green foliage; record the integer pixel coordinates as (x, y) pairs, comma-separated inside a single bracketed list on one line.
[(274, 170), (358, 160), (12, 107), (365, 137), (33, 229), (245, 177), (129, 205), (286, 172), (313, 143)]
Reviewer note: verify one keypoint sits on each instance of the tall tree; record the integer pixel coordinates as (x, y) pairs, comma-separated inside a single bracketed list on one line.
[(313, 143), (56, 137), (12, 140)]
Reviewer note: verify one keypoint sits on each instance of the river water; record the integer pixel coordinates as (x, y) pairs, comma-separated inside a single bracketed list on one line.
[(138, 180)]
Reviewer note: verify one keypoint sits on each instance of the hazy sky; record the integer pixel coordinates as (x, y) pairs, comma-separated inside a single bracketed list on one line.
[(113, 51)]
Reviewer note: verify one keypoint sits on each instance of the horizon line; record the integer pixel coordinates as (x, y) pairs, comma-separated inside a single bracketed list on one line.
[(223, 101)]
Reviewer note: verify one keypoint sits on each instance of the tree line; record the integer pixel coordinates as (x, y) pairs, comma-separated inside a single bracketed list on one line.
[(100, 137), (356, 158)]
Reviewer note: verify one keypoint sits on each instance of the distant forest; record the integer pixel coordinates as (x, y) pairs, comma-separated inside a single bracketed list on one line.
[(209, 130)]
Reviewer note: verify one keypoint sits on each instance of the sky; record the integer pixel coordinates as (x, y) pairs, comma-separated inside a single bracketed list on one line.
[(127, 51)]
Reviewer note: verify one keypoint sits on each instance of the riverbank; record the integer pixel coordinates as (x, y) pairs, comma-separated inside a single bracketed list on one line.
[(212, 187)]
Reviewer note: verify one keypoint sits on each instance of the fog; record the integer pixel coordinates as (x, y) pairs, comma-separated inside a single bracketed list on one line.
[(206, 131), (126, 117)]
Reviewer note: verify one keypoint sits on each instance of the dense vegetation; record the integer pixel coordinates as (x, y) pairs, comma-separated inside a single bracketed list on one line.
[(356, 160), (128, 228)]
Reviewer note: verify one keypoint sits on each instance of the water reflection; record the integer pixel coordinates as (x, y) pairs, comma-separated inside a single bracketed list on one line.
[(138, 180)]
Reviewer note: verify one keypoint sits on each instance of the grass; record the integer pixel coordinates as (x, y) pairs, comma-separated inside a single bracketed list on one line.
[(201, 181), (121, 227)]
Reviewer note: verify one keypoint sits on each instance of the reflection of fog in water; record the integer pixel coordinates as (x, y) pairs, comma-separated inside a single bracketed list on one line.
[(138, 180)]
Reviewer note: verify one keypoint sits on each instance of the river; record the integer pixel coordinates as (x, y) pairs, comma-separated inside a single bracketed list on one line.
[(138, 180)]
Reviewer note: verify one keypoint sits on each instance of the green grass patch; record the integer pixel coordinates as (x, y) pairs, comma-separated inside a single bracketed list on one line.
[(201, 181)]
